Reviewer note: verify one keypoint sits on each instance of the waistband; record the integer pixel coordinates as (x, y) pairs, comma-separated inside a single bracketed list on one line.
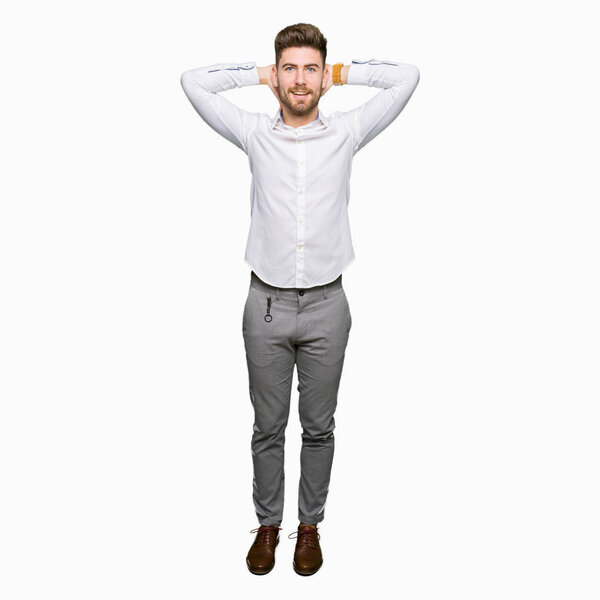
[(311, 292)]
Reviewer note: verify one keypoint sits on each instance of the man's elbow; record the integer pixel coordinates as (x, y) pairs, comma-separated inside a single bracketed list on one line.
[(413, 76), (185, 79)]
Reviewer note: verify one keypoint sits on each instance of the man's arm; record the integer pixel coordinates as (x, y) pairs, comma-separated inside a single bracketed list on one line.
[(202, 87), (399, 81)]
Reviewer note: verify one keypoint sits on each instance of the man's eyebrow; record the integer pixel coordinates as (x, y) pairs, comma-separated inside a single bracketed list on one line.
[(293, 65)]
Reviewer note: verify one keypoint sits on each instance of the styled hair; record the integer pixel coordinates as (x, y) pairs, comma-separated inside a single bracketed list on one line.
[(298, 35)]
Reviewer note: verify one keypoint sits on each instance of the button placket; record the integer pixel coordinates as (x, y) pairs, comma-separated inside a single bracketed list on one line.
[(300, 210)]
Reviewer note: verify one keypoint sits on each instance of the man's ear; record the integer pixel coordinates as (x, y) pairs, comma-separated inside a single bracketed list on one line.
[(325, 77), (274, 76)]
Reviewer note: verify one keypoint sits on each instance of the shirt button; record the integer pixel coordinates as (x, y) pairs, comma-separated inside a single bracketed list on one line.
[(301, 221), (299, 141), (299, 246), (301, 162), (300, 192), (301, 292)]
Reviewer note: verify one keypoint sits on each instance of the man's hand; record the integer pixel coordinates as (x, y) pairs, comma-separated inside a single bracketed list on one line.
[(327, 79), (264, 75)]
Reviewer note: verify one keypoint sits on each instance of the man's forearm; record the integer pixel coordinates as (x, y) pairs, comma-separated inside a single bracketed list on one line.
[(264, 73)]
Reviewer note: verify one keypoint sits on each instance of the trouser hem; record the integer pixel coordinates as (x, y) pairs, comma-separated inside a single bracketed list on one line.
[(310, 520), (269, 522)]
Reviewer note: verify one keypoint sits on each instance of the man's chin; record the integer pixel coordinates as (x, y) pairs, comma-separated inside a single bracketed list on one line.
[(299, 109), (302, 104)]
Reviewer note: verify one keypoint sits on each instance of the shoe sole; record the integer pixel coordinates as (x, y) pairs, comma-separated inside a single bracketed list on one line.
[(262, 571), (306, 571)]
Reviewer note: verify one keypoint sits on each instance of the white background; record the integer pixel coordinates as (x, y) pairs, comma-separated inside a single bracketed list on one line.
[(467, 445)]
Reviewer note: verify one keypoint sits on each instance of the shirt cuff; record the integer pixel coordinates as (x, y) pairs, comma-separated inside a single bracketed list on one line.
[(248, 74)]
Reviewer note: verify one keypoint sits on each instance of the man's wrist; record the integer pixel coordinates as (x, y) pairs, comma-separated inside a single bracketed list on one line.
[(339, 73)]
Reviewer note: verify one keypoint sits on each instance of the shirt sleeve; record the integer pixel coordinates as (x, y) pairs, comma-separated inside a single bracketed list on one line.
[(399, 81), (202, 87)]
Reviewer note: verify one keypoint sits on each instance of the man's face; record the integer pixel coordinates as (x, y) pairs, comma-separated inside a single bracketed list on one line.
[(300, 70)]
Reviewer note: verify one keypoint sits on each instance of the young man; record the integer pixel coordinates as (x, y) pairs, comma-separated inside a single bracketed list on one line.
[(299, 244)]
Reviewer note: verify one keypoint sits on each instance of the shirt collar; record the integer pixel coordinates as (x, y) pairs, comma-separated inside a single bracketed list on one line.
[(279, 117)]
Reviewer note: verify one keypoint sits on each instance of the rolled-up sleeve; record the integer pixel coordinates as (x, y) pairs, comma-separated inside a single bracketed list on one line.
[(202, 87), (399, 81)]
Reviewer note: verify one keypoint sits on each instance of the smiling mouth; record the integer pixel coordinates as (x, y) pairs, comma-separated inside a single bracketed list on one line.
[(300, 94)]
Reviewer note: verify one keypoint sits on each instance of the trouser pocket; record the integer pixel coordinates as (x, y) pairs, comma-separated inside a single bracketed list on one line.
[(261, 327)]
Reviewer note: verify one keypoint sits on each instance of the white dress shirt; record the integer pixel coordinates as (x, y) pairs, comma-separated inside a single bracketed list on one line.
[(299, 227)]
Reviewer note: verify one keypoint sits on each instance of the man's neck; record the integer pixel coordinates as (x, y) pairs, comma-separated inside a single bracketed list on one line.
[(293, 121)]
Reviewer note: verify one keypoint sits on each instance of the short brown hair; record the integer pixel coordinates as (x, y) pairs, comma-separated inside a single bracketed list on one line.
[(298, 35)]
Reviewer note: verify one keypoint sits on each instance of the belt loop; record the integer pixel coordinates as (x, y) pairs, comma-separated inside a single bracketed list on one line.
[(277, 294)]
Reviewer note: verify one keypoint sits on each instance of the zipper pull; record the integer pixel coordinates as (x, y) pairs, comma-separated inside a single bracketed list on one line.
[(268, 317)]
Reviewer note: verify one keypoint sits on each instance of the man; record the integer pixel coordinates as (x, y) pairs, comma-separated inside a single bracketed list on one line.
[(299, 243)]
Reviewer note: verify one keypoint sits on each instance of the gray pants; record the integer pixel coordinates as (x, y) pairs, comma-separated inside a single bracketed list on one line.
[(310, 328)]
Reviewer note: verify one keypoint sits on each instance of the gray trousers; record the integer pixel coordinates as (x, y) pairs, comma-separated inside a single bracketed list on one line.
[(283, 327)]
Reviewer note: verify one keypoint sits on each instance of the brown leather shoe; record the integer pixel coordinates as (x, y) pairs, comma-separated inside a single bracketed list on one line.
[(261, 556), (307, 555)]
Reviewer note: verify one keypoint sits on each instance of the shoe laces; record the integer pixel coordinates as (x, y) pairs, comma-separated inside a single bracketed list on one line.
[(264, 533), (306, 535)]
